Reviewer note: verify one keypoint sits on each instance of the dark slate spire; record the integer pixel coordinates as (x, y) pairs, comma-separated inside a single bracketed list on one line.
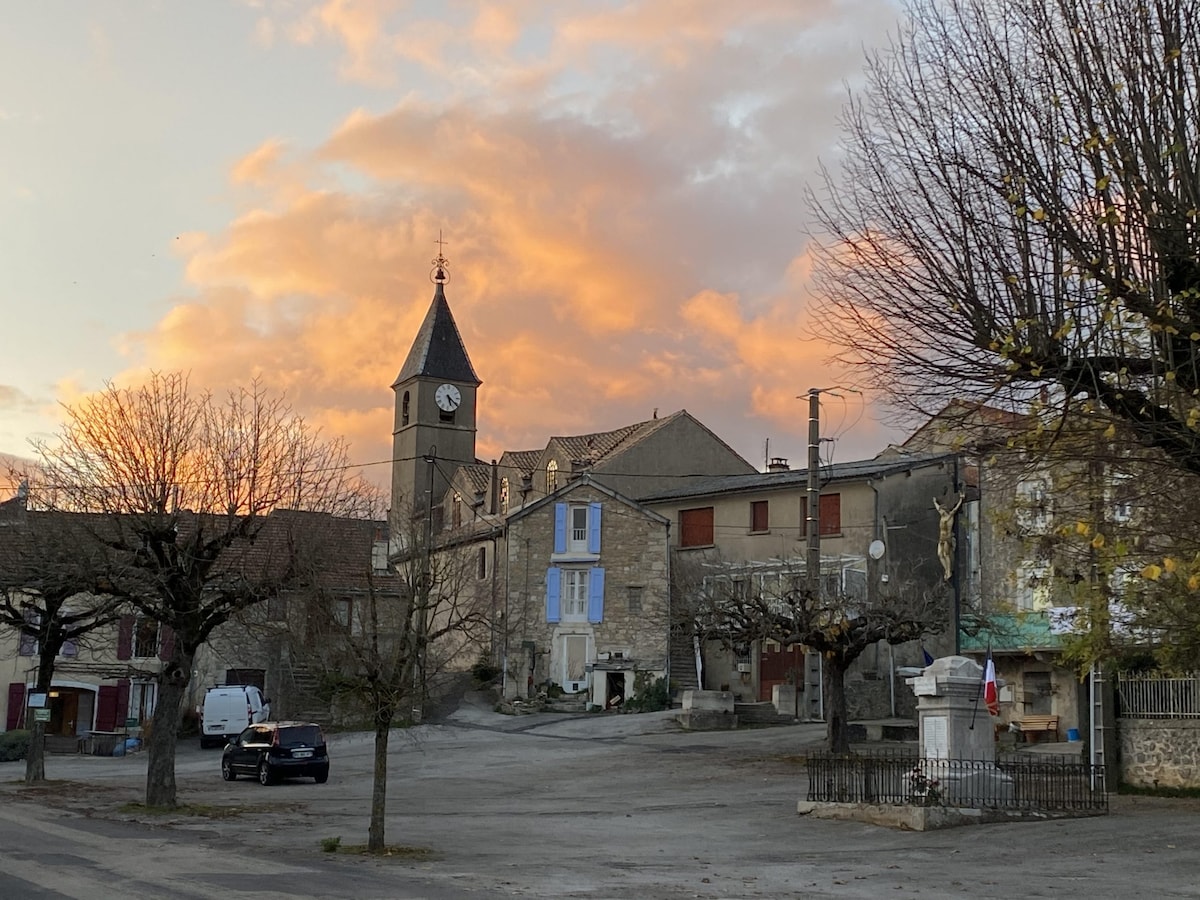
[(438, 350)]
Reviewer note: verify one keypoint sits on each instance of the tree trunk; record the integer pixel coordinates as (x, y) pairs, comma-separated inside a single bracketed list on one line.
[(375, 836), (837, 724), (164, 729), (35, 759)]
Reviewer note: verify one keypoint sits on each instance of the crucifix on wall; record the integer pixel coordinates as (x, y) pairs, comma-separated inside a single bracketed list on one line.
[(945, 547)]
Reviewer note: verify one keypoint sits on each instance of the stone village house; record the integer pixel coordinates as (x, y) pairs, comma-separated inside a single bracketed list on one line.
[(747, 535)]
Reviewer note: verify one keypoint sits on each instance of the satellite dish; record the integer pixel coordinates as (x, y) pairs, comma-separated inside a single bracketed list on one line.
[(876, 549)]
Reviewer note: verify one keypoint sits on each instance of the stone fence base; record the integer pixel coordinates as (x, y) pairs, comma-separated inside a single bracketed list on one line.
[(1160, 753), (927, 818)]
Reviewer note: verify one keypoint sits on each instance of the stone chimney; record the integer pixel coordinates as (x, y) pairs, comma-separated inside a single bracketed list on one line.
[(778, 464)]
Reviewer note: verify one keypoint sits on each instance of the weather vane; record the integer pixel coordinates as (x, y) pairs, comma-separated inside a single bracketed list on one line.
[(441, 266)]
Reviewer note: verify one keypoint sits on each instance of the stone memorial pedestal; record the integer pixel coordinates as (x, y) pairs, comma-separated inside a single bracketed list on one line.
[(957, 742)]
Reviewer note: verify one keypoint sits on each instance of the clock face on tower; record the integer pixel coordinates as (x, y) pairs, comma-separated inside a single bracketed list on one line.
[(447, 397)]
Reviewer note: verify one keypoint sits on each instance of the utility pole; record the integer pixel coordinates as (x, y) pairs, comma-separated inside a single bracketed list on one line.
[(812, 568), (813, 517)]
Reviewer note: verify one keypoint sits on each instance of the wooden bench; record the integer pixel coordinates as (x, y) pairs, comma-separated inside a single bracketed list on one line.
[(1038, 725)]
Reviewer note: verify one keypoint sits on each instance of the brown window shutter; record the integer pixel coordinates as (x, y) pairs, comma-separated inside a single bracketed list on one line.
[(830, 512), (106, 707), (166, 648), (696, 527), (124, 642), (16, 706), (758, 515), (122, 709)]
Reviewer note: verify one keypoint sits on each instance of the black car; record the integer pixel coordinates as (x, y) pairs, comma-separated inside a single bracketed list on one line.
[(270, 751)]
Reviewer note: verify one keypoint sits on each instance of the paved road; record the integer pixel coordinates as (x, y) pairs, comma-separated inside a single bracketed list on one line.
[(550, 806)]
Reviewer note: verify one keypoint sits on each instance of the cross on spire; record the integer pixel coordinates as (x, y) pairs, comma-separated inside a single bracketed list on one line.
[(441, 265)]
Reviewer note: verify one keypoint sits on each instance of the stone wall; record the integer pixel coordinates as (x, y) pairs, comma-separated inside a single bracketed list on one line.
[(1160, 753), (634, 630)]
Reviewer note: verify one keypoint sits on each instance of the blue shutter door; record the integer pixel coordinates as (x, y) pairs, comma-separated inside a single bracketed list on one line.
[(593, 528), (560, 528), (596, 595), (553, 594)]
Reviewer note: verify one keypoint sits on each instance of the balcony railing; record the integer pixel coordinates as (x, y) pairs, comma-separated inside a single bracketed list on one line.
[(1159, 697)]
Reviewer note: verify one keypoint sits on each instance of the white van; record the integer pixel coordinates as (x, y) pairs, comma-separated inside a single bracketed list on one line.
[(228, 709)]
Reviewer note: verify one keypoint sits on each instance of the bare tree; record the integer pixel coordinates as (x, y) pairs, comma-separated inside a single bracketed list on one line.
[(381, 639), (1017, 215), (53, 586), (178, 483), (840, 623)]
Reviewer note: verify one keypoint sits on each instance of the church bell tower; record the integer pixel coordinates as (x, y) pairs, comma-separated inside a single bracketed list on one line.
[(435, 407)]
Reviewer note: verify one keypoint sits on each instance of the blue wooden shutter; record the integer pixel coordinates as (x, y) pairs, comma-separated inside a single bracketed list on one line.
[(560, 528), (596, 595), (593, 528), (553, 594)]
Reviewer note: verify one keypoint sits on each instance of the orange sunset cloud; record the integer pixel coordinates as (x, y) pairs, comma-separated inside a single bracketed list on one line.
[(617, 244)]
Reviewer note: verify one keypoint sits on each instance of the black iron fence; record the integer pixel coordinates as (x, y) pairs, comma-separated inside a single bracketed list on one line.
[(1024, 781)]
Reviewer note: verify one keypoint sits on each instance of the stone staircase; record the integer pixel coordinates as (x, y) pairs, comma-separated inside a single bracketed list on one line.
[(683, 664), (303, 701)]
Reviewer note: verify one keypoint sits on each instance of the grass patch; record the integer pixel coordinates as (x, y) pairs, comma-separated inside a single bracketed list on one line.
[(399, 851), (1179, 793), (795, 759)]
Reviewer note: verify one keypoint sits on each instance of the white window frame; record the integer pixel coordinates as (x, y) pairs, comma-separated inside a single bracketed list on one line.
[(1032, 588), (136, 648), (1033, 504), (577, 537), (143, 697), (1120, 504), (574, 595)]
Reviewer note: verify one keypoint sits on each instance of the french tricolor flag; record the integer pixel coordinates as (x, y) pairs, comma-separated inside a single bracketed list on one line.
[(991, 696)]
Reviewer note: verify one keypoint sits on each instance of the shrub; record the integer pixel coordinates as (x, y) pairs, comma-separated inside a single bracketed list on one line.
[(14, 745), (485, 671), (649, 695), (331, 844)]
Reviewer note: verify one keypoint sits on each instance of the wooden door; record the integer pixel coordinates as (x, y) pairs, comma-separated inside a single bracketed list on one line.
[(779, 665)]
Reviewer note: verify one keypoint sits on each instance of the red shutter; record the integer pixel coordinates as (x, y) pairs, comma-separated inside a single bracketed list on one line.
[(758, 515), (830, 512), (696, 527), (166, 647), (106, 707), (16, 705), (124, 643), (122, 703)]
